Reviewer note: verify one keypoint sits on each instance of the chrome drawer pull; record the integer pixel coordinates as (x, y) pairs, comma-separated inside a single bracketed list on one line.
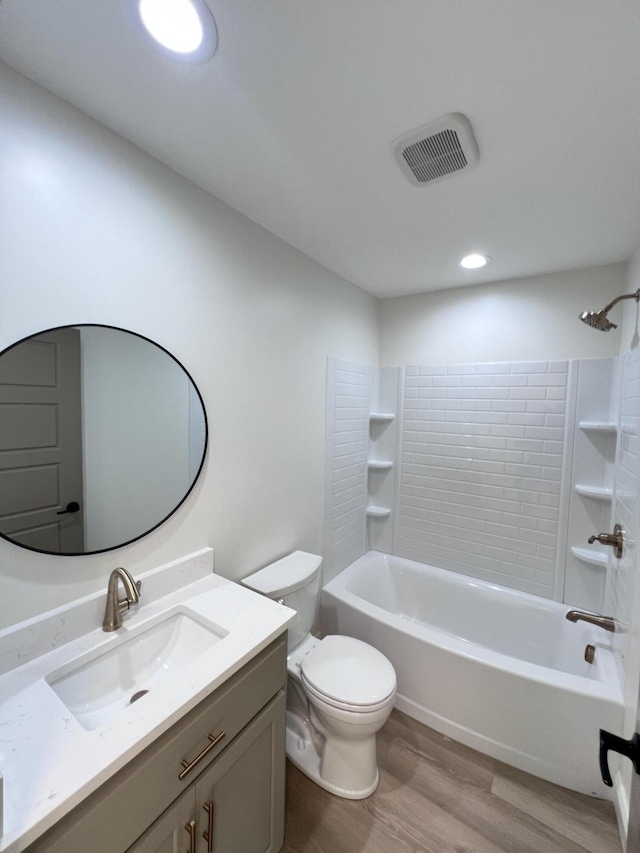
[(191, 829), (208, 835), (188, 767)]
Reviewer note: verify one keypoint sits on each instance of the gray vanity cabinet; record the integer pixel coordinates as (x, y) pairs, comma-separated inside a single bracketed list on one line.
[(232, 806), (172, 832), (234, 744)]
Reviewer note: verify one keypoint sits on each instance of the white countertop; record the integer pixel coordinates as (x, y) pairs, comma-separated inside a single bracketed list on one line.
[(49, 762)]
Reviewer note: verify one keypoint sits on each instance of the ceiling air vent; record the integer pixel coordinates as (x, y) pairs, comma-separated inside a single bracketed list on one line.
[(437, 150)]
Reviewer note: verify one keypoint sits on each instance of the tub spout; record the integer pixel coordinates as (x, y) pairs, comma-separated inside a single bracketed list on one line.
[(606, 622)]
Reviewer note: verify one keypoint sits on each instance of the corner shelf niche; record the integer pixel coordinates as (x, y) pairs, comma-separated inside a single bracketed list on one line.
[(379, 464), (378, 512), (599, 426), (595, 437), (381, 458), (591, 558), (597, 493)]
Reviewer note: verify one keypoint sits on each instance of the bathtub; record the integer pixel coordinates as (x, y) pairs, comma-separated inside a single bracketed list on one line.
[(498, 670)]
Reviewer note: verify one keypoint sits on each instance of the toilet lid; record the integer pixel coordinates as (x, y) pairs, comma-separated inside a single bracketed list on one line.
[(350, 671)]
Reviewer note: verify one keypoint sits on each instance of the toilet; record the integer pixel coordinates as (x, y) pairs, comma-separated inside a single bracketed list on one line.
[(340, 691)]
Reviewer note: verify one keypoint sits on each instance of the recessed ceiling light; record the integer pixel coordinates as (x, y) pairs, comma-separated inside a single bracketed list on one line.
[(474, 262), (183, 28)]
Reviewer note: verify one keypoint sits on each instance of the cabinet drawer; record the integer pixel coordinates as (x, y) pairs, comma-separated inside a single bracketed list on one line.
[(113, 817)]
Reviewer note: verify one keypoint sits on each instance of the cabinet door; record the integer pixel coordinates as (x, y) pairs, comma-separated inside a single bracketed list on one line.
[(174, 831), (240, 798)]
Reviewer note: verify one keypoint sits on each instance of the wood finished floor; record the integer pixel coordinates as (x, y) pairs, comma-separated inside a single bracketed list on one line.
[(436, 796)]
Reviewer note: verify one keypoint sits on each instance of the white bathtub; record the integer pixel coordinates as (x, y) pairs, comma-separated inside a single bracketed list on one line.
[(498, 670)]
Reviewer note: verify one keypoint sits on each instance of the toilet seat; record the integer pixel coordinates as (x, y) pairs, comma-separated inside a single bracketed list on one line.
[(348, 674), (331, 702)]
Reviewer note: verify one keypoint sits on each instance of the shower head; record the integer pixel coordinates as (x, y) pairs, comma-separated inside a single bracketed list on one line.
[(599, 319)]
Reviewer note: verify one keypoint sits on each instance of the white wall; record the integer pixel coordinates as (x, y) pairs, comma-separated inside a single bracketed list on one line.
[(629, 328), (521, 320), (95, 231)]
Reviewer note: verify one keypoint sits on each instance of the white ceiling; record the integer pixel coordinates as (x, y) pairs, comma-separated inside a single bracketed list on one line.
[(293, 120)]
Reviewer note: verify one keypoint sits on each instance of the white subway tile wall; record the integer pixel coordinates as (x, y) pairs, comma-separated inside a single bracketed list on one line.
[(627, 501), (350, 441), (481, 465)]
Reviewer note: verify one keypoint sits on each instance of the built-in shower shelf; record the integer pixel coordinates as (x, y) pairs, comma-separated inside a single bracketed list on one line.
[(378, 512), (598, 493), (593, 558), (379, 464), (599, 426), (382, 416)]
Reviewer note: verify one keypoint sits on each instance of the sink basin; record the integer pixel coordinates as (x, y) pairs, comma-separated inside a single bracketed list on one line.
[(98, 689)]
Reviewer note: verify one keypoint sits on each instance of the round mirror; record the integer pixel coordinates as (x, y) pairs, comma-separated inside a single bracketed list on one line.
[(103, 434)]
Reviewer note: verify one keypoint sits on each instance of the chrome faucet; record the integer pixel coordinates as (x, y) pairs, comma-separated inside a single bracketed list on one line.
[(115, 605), (606, 622)]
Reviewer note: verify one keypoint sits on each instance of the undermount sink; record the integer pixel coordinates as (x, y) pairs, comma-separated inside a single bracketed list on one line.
[(96, 690)]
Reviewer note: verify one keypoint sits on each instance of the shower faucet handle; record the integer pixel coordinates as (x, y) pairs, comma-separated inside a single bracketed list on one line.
[(615, 539)]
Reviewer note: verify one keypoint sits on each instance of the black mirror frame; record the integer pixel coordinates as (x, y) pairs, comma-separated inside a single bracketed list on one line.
[(195, 479)]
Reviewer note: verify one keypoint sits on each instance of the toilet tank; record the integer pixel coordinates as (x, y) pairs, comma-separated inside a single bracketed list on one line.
[(296, 580)]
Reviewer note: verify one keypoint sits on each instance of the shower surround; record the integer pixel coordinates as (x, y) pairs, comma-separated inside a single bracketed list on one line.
[(471, 468), (497, 473)]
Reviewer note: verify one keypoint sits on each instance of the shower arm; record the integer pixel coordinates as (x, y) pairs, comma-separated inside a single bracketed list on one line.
[(608, 307)]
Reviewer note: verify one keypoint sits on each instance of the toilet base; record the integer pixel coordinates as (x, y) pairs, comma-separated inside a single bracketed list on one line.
[(306, 754)]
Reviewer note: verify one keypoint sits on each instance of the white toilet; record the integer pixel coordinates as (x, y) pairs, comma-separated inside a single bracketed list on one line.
[(340, 690)]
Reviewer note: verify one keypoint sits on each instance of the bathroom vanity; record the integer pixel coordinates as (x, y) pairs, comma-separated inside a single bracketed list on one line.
[(230, 800), (196, 764)]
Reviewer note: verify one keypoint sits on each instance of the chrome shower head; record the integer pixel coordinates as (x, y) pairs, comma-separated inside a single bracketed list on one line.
[(599, 320)]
